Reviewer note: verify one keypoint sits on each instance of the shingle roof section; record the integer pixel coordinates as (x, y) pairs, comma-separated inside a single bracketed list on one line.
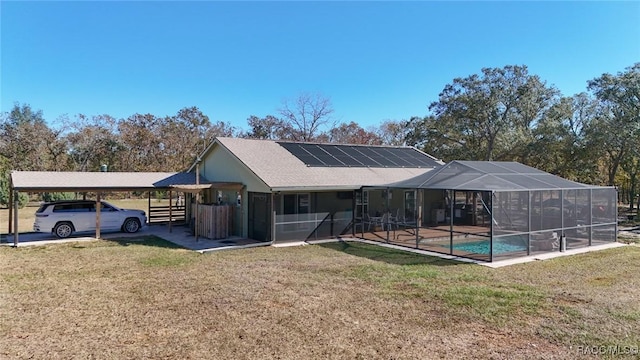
[(279, 169)]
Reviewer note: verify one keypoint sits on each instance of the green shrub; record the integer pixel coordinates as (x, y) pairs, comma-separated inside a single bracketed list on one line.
[(48, 197), (4, 192)]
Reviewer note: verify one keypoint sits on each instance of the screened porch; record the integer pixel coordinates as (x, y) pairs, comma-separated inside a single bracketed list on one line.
[(487, 211)]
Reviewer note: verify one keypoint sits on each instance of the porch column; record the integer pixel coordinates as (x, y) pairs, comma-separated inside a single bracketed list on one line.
[(362, 212), (170, 211), (272, 223), (16, 202), (452, 201), (419, 200), (388, 211), (197, 213), (528, 225), (10, 210), (493, 196), (98, 208), (195, 226)]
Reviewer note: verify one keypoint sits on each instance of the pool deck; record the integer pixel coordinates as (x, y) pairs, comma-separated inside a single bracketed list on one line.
[(495, 264), (551, 255)]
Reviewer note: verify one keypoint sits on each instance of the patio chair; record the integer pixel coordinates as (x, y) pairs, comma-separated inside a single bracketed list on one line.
[(387, 221), (368, 221)]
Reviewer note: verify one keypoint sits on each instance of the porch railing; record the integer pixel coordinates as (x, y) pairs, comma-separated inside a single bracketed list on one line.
[(312, 226), (166, 213)]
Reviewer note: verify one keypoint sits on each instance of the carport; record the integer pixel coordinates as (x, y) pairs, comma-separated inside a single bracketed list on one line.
[(95, 182)]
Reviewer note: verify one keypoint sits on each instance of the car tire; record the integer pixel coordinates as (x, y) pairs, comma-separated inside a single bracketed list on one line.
[(63, 230), (131, 225)]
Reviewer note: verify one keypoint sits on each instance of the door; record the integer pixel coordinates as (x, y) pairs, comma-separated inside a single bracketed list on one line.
[(260, 216), (110, 217), (410, 205)]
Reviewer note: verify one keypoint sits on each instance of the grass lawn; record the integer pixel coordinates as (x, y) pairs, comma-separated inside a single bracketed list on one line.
[(144, 298)]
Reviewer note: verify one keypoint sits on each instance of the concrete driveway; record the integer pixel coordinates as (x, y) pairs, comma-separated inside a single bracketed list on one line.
[(179, 235)]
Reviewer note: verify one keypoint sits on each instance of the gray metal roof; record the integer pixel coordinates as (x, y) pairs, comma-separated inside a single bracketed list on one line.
[(94, 181), (282, 171), (488, 176)]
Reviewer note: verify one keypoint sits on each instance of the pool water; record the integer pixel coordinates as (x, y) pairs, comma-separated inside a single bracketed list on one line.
[(482, 247)]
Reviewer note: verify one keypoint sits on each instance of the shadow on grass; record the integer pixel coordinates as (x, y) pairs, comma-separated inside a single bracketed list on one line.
[(387, 255), (147, 240)]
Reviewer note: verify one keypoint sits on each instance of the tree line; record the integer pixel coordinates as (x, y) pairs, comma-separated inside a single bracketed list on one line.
[(501, 114)]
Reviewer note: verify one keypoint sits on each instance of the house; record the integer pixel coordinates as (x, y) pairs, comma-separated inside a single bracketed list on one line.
[(483, 210), (299, 191), (280, 191)]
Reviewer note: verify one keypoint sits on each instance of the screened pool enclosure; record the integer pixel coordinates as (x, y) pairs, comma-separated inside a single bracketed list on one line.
[(487, 211)]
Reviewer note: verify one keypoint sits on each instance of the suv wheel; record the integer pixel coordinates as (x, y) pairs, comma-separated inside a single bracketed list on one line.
[(131, 225), (63, 230)]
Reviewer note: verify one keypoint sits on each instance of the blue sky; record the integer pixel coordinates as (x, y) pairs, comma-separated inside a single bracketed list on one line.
[(375, 60)]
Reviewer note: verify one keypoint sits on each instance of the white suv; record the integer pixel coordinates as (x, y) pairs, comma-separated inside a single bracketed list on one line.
[(63, 218)]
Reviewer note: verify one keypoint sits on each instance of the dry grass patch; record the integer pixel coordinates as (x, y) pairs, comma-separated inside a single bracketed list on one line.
[(144, 298)]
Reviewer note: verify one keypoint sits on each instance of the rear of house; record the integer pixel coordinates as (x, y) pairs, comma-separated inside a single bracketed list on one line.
[(301, 191), (290, 192)]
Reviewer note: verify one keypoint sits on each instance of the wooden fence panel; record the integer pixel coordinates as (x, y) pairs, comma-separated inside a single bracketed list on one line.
[(160, 214), (214, 221)]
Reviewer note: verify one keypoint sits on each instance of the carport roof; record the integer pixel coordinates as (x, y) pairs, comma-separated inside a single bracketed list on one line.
[(52, 181)]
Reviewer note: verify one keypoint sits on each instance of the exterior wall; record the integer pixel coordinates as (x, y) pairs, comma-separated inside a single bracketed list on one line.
[(219, 165)]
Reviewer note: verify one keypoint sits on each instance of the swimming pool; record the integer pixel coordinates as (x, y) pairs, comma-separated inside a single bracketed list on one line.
[(482, 247)]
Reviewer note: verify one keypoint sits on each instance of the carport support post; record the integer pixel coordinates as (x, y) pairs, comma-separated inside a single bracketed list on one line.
[(16, 202), (170, 212), (98, 215), (10, 210), (197, 215)]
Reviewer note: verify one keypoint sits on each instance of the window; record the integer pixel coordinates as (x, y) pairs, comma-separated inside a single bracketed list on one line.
[(104, 207), (74, 207)]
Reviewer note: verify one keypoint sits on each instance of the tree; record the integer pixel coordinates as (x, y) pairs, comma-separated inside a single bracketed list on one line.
[(142, 147), (185, 135), (269, 128), (353, 133), (559, 144), (181, 137), (25, 139), (4, 189), (618, 126), (393, 132), (93, 141), (631, 166), (306, 115), (488, 116)]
